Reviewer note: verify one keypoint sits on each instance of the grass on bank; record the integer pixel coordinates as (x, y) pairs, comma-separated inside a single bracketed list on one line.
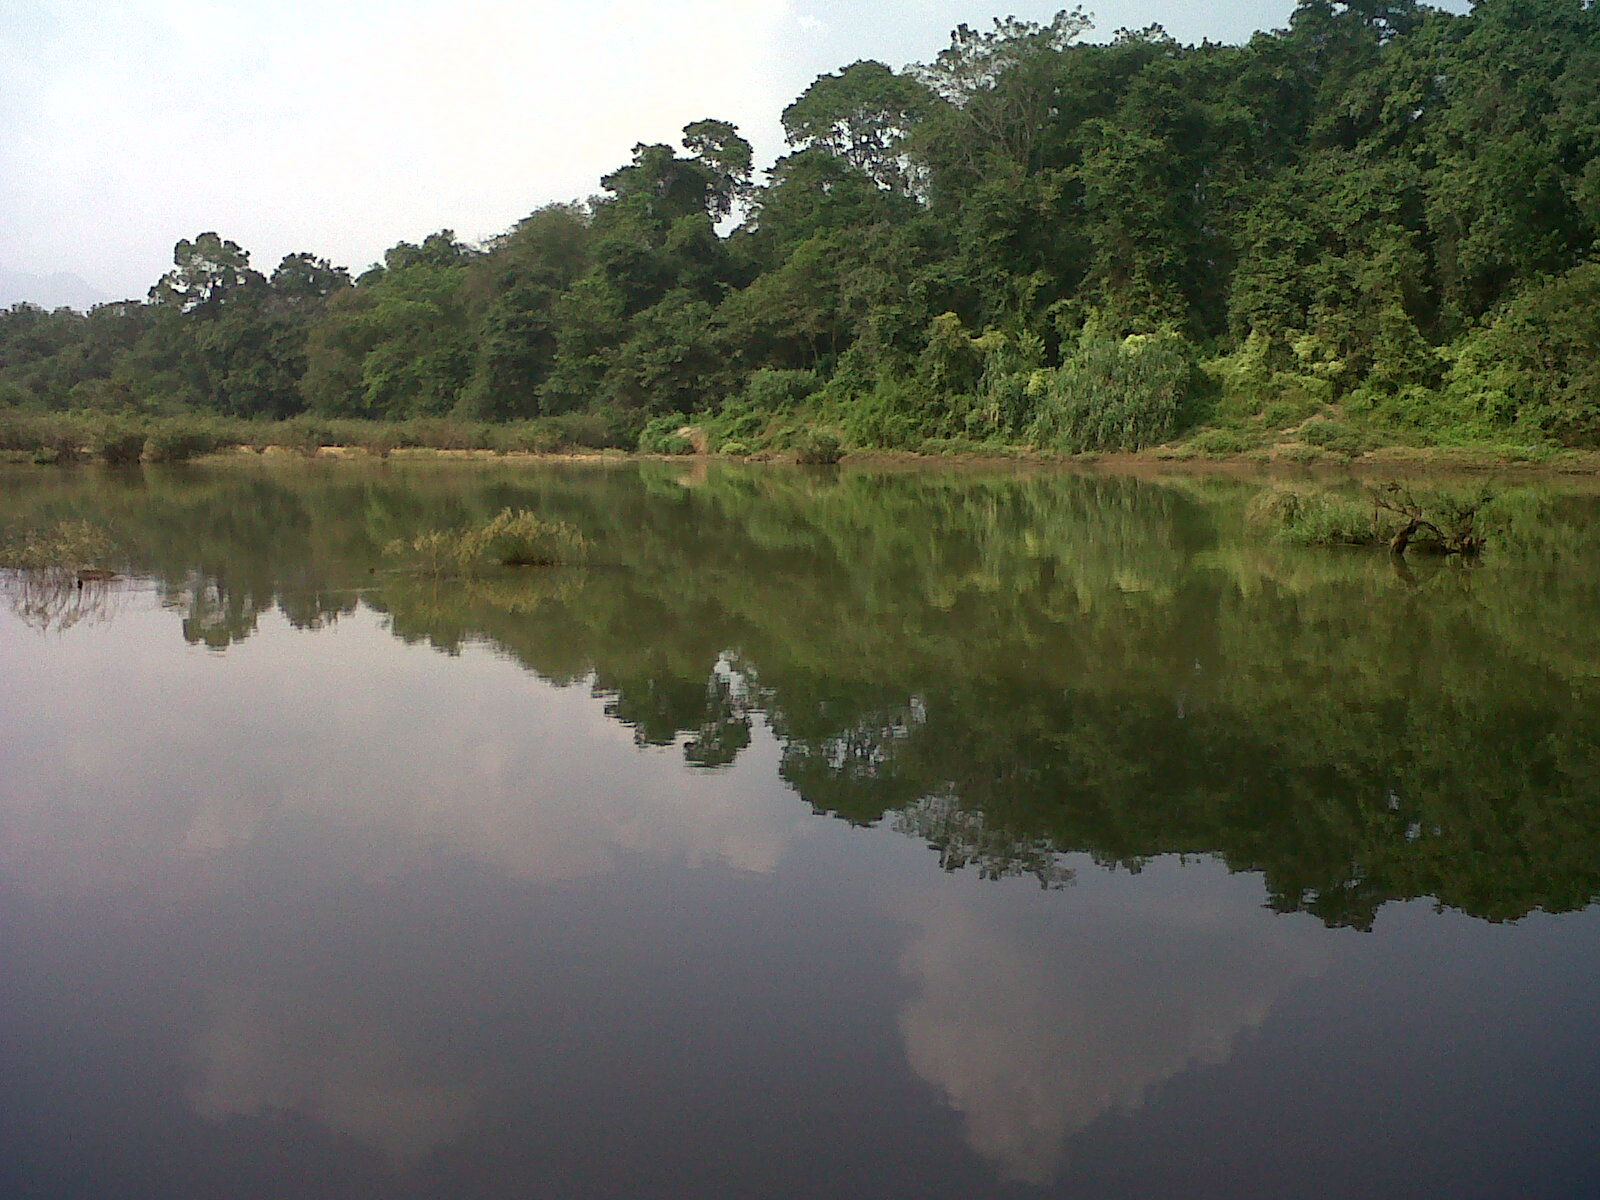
[(64, 438)]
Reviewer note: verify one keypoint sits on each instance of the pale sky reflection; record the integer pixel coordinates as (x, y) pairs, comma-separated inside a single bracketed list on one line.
[(1036, 1013)]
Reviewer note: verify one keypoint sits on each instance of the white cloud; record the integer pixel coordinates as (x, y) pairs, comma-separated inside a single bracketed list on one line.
[(342, 129)]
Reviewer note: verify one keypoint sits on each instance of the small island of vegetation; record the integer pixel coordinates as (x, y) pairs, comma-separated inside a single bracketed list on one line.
[(1374, 227)]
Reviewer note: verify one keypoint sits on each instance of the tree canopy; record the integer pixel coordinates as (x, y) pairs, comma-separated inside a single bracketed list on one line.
[(1354, 216)]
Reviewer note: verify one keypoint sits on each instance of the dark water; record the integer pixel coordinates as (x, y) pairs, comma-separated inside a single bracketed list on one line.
[(824, 836)]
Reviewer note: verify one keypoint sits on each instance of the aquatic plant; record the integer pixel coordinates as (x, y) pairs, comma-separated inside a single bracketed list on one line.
[(1391, 516), (63, 547), (511, 538)]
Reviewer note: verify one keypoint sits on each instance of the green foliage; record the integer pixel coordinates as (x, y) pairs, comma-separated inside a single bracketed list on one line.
[(771, 390), (1333, 435), (1115, 395), (1318, 518), (520, 538), (1221, 441), (1390, 215), (179, 439), (117, 443), (61, 547), (304, 435), (511, 538), (817, 447), (1440, 520), (1536, 364), (661, 435)]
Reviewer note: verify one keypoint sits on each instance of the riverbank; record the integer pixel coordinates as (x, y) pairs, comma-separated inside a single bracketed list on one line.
[(65, 439)]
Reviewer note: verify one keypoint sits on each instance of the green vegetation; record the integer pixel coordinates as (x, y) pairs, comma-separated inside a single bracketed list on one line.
[(1373, 227), (64, 547), (511, 538), (1441, 522)]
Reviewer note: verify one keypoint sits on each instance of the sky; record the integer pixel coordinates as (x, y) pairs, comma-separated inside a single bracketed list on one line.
[(341, 127)]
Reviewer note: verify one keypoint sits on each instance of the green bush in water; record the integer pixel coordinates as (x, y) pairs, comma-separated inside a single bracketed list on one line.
[(64, 546), (511, 538), (520, 538), (1317, 518)]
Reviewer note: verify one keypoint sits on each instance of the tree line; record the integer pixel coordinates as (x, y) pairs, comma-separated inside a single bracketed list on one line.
[(1380, 218)]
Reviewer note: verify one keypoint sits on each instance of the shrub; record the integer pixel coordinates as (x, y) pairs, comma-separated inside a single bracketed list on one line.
[(1333, 435), (1440, 522), (662, 436), (1536, 364), (770, 390), (180, 439), (64, 546), (734, 449), (1221, 441), (520, 538), (116, 443), (587, 430), (895, 414), (818, 447), (527, 437), (1113, 395), (1317, 518), (52, 440), (511, 538), (304, 435), (443, 433)]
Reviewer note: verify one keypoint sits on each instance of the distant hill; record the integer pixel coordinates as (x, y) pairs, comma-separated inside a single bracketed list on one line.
[(48, 291)]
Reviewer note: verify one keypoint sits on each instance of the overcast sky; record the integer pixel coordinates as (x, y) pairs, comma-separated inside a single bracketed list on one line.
[(343, 126)]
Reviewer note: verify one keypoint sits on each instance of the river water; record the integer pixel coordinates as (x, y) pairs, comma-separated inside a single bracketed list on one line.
[(821, 834)]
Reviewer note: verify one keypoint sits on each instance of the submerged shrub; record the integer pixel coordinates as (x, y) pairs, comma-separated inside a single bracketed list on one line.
[(1442, 522), (1316, 518), (511, 538), (521, 538), (64, 546)]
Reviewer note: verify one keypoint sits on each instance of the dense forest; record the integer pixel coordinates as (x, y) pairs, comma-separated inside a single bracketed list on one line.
[(1377, 224)]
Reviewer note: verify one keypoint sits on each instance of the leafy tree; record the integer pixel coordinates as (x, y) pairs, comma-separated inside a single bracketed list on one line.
[(205, 273), (862, 115)]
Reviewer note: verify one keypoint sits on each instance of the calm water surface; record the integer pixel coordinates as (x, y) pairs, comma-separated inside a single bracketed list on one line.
[(825, 835)]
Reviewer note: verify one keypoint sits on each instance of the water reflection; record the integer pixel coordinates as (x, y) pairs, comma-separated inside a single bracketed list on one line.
[(400, 757), (919, 833), (261, 1055), (54, 602), (1034, 1020)]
